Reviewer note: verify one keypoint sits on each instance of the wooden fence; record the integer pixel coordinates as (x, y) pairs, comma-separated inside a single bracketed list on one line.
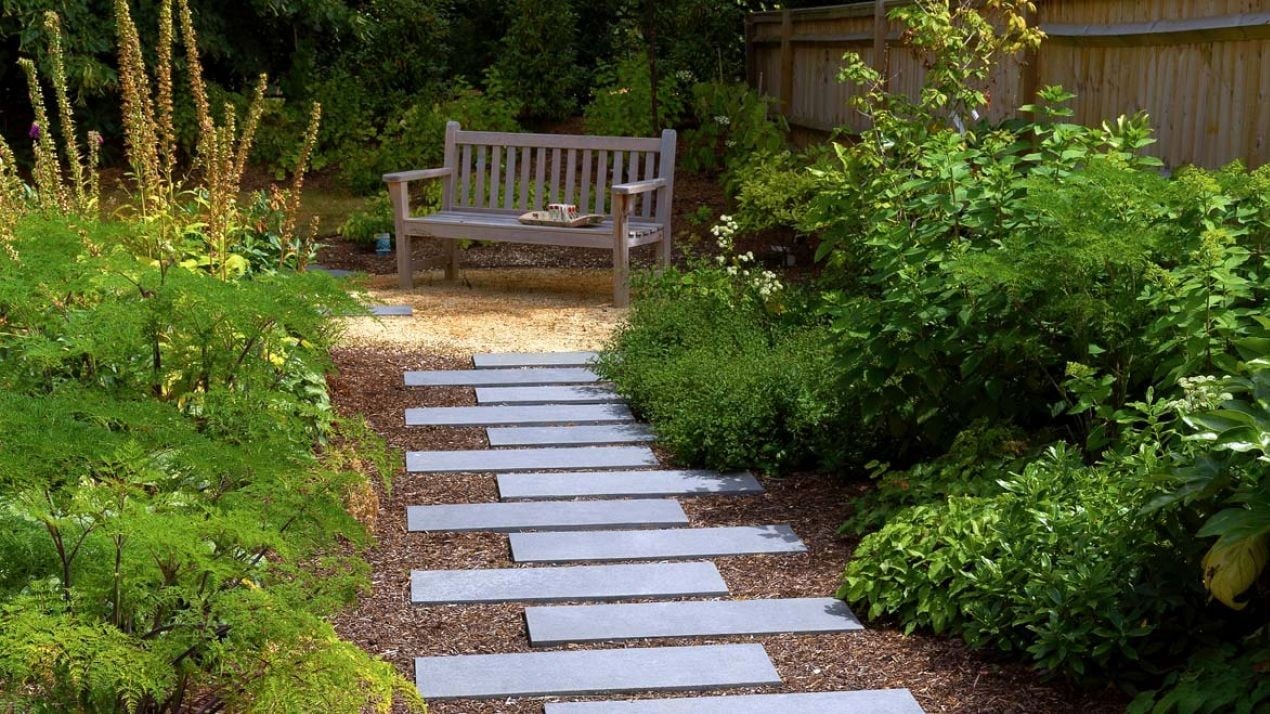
[(1200, 68)]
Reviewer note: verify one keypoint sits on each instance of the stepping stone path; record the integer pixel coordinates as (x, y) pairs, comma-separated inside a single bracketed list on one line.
[(391, 310), (573, 515), (502, 460), (569, 435), (547, 395), (551, 626), (579, 582), (618, 484), (519, 415), (581, 433), (884, 701), (654, 545), (501, 377), (646, 669)]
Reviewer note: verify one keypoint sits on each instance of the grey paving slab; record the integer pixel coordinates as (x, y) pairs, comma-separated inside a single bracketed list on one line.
[(536, 414), (495, 360), (500, 377), (865, 701), (391, 310), (566, 583), (616, 484), (551, 626), (584, 394), (654, 544), (333, 272), (569, 435), (546, 515), (503, 460), (536, 674)]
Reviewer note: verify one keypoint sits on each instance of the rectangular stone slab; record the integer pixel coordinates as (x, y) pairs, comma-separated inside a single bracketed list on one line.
[(391, 310), (500, 377), (584, 394), (538, 414), (569, 435), (533, 359), (577, 582), (546, 515), (654, 545), (616, 484), (551, 626), (537, 674), (864, 701), (503, 460)]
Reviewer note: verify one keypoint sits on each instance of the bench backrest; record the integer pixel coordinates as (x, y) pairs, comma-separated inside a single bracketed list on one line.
[(511, 172)]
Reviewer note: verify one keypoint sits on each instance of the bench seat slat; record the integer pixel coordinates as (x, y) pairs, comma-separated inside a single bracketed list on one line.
[(497, 226)]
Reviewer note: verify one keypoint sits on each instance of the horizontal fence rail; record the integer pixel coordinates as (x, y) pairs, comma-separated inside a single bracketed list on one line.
[(1200, 68)]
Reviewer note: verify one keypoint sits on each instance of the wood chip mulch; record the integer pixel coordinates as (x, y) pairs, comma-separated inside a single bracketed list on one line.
[(943, 674)]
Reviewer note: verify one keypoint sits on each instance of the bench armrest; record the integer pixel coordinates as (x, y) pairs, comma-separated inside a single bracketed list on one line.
[(630, 189), (407, 176)]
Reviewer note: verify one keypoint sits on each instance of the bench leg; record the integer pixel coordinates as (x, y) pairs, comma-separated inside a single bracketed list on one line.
[(621, 253), (451, 259), (664, 248), (398, 192)]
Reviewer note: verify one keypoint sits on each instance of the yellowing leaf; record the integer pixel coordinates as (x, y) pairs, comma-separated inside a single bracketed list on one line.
[(1232, 569)]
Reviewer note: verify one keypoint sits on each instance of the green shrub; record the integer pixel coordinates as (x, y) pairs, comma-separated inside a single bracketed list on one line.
[(1057, 565), (538, 62), (1225, 679), (724, 382), (774, 190), (621, 104), (365, 224), (169, 530), (416, 138), (733, 125)]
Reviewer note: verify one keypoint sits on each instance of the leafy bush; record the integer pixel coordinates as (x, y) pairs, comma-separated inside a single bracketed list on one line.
[(168, 527), (1057, 564), (622, 102), (726, 383), (1222, 679), (538, 62), (365, 224), (733, 124), (416, 138), (773, 190)]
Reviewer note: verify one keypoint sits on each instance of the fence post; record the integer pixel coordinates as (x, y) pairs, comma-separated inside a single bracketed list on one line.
[(881, 31), (751, 62), (787, 63)]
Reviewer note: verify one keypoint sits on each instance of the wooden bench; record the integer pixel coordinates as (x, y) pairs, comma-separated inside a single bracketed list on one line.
[(490, 178)]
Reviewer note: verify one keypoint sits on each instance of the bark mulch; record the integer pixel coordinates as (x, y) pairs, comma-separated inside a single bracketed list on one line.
[(942, 673)]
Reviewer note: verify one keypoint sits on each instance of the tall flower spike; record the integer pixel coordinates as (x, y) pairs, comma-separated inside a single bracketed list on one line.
[(48, 170), (202, 108), (297, 182), (10, 198), (140, 134), (254, 112), (163, 77), (65, 115)]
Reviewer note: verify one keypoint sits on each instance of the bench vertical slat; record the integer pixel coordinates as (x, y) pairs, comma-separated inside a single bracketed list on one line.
[(601, 187), (478, 200), (465, 174), (632, 175), (509, 191), (540, 174), (451, 159), (495, 179), (650, 166), (570, 173), (526, 158), (664, 197), (555, 176), (585, 200), (617, 173)]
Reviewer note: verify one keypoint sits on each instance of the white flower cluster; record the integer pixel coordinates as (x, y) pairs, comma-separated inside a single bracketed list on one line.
[(722, 119), (685, 76), (743, 267), (1202, 394)]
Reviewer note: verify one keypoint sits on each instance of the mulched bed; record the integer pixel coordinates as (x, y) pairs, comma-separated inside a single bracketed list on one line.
[(942, 673)]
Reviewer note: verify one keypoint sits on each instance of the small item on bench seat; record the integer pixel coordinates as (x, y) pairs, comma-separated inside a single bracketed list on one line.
[(543, 218)]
